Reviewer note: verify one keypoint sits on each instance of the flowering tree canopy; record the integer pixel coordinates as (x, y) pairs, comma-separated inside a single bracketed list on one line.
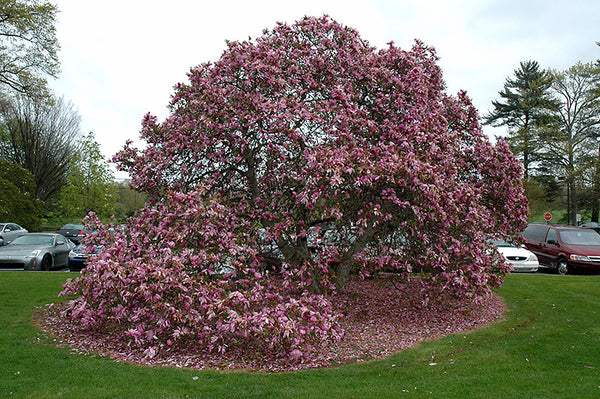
[(310, 126), (313, 147)]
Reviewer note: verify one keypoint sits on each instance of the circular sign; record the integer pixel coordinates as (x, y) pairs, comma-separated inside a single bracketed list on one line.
[(548, 216)]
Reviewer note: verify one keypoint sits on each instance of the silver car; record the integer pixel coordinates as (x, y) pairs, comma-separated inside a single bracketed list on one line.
[(10, 231), (37, 251)]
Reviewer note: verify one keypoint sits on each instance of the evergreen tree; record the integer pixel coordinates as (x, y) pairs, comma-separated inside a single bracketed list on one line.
[(523, 108)]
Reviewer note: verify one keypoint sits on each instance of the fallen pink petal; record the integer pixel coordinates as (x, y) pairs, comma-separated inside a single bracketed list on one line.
[(376, 325)]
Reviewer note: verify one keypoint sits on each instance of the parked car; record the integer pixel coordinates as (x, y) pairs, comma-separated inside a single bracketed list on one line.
[(10, 231), (74, 232), (591, 225), (79, 255), (36, 251), (564, 248), (269, 254), (521, 259)]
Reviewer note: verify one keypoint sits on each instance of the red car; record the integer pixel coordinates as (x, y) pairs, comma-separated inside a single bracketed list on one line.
[(564, 248)]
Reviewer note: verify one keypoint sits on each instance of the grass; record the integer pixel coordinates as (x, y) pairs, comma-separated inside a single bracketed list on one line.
[(547, 347), (558, 216)]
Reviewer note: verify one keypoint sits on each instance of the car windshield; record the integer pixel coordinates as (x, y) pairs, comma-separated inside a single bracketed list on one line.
[(34, 240), (580, 237), (72, 227), (503, 244)]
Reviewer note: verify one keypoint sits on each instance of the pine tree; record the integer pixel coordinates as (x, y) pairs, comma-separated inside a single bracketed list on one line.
[(523, 108)]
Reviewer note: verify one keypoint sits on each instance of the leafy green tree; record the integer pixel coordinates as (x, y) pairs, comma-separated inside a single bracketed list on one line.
[(28, 46), (128, 200), (89, 184), (570, 142), (543, 195), (17, 196), (40, 136), (523, 107)]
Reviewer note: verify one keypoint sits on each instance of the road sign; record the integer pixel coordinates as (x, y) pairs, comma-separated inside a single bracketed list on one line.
[(548, 216)]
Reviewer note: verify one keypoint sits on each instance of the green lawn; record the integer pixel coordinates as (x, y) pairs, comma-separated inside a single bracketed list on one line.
[(548, 347)]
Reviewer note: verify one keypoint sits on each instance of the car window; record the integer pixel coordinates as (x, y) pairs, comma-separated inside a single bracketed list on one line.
[(503, 244), (552, 236), (34, 240), (70, 226), (535, 232), (580, 237)]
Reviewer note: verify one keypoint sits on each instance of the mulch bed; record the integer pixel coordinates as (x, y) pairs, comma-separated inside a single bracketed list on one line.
[(380, 316)]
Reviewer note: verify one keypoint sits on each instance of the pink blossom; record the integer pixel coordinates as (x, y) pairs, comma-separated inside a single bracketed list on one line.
[(306, 129)]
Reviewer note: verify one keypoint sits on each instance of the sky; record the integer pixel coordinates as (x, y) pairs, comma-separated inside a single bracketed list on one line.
[(120, 59)]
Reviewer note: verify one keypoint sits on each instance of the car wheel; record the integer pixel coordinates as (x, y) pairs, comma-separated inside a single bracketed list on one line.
[(562, 267), (46, 263)]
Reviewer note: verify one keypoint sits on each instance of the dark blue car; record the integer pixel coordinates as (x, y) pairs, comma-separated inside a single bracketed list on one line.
[(79, 255)]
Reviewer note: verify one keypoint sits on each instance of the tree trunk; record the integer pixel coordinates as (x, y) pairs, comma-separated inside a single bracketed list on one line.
[(573, 204), (342, 269)]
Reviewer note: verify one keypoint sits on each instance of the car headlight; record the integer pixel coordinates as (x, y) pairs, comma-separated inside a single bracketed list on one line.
[(34, 253), (532, 258), (580, 258)]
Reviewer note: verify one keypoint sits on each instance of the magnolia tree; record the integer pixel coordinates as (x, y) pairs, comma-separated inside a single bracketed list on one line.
[(314, 147)]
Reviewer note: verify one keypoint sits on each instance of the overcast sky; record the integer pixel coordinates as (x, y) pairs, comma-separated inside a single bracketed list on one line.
[(121, 58)]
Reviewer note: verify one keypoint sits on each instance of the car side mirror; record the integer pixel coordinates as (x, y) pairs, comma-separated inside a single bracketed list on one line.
[(553, 242)]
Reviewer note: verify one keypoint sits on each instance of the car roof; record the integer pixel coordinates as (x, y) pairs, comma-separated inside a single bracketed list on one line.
[(560, 226), (589, 224)]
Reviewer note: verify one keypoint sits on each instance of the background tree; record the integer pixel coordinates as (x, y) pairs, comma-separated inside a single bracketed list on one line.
[(570, 142), (42, 137), (17, 196), (127, 200), (28, 46), (537, 196), (89, 185), (525, 103)]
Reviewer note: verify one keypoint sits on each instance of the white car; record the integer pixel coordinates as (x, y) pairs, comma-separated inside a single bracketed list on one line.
[(10, 231), (521, 259)]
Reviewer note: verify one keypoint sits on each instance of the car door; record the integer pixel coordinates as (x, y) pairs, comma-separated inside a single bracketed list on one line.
[(551, 248), (11, 231), (61, 251), (21, 231), (535, 241)]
